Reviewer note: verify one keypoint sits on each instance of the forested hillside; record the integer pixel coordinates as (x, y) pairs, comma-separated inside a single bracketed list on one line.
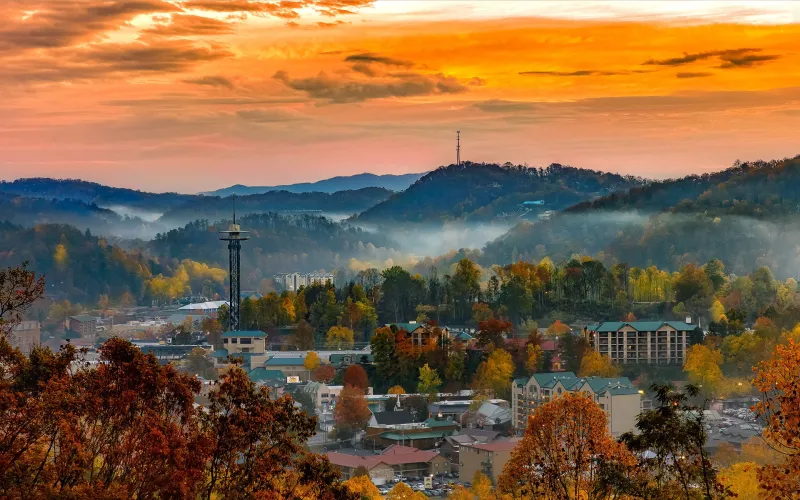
[(747, 216), (77, 264), (216, 208), (279, 243), (480, 191), (91, 192)]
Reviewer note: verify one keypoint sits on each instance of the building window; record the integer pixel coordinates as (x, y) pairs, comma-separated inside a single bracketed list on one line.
[(224, 341), (233, 341), (246, 341)]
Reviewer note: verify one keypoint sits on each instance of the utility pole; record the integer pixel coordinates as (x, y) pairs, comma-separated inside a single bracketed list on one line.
[(458, 148)]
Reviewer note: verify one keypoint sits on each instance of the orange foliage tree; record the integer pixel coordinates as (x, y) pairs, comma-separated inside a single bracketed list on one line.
[(493, 331), (351, 413), (563, 453), (356, 376), (323, 373), (127, 428), (778, 379)]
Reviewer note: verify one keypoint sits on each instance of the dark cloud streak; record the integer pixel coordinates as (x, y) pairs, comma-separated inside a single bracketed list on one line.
[(731, 58)]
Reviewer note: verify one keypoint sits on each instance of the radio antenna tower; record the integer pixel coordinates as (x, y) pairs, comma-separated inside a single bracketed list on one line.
[(458, 148), (234, 236)]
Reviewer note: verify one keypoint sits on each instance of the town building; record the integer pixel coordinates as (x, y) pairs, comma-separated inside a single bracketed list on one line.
[(323, 395), (647, 342), (402, 460), (617, 397), (26, 335), (84, 325), (420, 333), (397, 427), (451, 446), (489, 458), (244, 342), (293, 367), (294, 281), (210, 308), (495, 417)]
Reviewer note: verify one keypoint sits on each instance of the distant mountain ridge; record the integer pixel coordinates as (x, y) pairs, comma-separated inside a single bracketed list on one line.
[(332, 185)]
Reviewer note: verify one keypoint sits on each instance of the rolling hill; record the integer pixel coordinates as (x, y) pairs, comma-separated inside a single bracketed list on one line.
[(332, 185), (341, 203), (747, 216), (481, 192)]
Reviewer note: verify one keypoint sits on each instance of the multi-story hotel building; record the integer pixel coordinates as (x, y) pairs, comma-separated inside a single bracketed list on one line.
[(617, 397), (649, 342)]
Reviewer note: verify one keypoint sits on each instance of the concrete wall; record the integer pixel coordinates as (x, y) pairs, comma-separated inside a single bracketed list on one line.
[(472, 460)]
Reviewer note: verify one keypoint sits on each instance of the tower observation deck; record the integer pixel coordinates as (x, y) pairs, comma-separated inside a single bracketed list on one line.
[(234, 236)]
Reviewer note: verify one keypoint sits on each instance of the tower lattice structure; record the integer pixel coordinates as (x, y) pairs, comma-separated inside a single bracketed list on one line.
[(234, 236)]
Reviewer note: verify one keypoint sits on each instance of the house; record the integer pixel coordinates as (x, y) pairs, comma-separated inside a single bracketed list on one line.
[(648, 342), (489, 458), (451, 446), (263, 376), (420, 333), (403, 460), (617, 397), (25, 336), (244, 342), (390, 418), (291, 366), (84, 325), (323, 395)]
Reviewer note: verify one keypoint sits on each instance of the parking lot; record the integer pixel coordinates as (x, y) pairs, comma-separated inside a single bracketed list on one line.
[(442, 484)]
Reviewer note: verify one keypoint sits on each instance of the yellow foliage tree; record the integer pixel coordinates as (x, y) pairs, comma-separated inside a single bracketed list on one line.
[(339, 337), (460, 493), (742, 479), (702, 366), (363, 486), (402, 491), (534, 358), (288, 307), (495, 373), (60, 255), (595, 364), (312, 361), (481, 486), (717, 311)]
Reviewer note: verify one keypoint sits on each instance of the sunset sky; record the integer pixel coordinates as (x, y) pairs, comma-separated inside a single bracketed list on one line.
[(200, 94)]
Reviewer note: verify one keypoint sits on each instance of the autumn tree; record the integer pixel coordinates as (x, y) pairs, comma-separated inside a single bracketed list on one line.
[(778, 380), (303, 336), (534, 358), (19, 289), (312, 361), (702, 365), (213, 329), (595, 364), (355, 376), (495, 373), (481, 312), (351, 412), (256, 446), (429, 381), (742, 479), (673, 428), (558, 329), (454, 371), (198, 363), (323, 373), (339, 337), (402, 491), (493, 332), (363, 487), (396, 390), (563, 453)]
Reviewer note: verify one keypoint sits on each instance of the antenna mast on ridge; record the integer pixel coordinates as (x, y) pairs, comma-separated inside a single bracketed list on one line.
[(458, 148)]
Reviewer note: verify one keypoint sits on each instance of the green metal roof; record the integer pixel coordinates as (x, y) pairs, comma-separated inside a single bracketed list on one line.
[(262, 375), (336, 359), (276, 361), (623, 391), (600, 384), (548, 380), (83, 318), (432, 422), (519, 382), (245, 333), (639, 326), (409, 327), (71, 335), (399, 436)]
